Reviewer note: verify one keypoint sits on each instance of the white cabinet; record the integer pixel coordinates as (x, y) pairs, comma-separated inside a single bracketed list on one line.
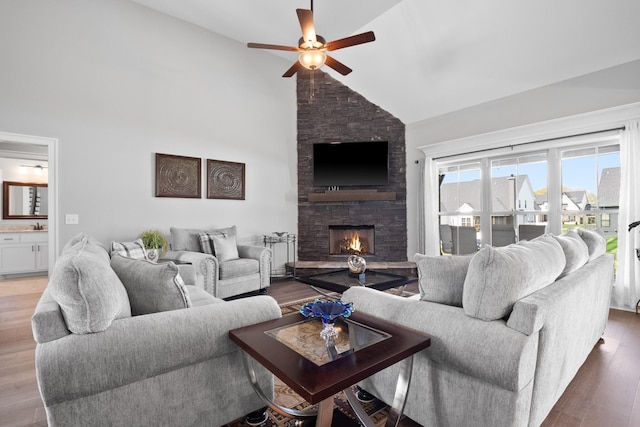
[(24, 252)]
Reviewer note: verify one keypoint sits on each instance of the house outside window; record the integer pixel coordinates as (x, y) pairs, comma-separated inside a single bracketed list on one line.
[(512, 192)]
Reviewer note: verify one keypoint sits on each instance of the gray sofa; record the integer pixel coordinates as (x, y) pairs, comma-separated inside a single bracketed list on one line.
[(125, 342), (510, 328), (230, 271)]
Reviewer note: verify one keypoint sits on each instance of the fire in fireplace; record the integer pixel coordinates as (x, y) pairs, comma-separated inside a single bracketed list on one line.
[(351, 239)]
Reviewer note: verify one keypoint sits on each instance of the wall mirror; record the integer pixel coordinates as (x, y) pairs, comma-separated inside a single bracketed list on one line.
[(24, 200)]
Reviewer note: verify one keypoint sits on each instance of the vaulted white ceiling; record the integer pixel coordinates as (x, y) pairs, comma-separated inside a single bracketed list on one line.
[(432, 57)]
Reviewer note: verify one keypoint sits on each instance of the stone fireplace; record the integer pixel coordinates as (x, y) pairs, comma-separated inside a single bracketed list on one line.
[(352, 239), (329, 111)]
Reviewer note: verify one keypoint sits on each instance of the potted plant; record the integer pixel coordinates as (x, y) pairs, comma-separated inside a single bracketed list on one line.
[(155, 244)]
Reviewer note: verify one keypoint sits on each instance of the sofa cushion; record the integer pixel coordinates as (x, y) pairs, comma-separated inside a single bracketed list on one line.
[(89, 293), (238, 267), (226, 247), (595, 241), (135, 249), (220, 243), (441, 278), (575, 251), (78, 238), (188, 239), (185, 239), (498, 277), (151, 287)]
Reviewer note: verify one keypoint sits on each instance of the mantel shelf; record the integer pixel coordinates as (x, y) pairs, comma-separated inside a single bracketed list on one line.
[(352, 196)]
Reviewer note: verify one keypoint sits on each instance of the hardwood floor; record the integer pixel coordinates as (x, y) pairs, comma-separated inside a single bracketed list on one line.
[(606, 390)]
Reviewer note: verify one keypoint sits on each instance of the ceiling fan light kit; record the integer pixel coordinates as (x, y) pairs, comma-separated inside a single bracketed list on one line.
[(312, 59), (313, 48)]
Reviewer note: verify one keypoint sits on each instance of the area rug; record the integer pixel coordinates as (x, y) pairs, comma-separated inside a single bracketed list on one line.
[(343, 416)]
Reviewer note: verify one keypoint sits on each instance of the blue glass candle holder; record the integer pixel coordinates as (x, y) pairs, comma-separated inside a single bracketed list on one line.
[(328, 312)]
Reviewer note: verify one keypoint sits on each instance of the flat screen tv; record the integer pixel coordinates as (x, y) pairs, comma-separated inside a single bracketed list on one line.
[(351, 164)]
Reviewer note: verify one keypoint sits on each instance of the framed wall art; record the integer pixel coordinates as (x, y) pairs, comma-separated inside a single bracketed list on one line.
[(225, 180), (178, 176)]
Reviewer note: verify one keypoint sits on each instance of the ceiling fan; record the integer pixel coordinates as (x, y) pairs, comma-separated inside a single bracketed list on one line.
[(313, 47)]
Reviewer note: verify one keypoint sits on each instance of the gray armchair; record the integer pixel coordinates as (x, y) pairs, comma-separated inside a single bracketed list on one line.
[(218, 274)]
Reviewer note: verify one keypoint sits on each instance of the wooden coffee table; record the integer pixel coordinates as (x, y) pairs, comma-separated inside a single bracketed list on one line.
[(341, 280), (291, 348)]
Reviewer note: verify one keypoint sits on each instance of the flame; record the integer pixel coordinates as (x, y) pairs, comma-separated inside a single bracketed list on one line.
[(355, 243)]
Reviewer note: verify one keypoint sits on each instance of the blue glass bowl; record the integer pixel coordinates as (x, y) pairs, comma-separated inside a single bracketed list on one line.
[(328, 311)]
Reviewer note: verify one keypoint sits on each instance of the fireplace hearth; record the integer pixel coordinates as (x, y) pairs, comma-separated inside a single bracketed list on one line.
[(351, 239)]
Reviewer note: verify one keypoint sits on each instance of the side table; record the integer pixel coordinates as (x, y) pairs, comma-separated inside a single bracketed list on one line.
[(291, 348), (278, 269)]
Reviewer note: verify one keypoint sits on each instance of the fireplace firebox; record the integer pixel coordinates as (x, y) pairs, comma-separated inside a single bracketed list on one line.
[(351, 239)]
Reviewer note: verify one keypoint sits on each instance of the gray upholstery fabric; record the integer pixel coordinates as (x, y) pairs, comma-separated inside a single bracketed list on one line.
[(170, 368), (238, 267), (200, 297), (81, 237), (226, 247), (188, 239), (441, 278), (133, 249), (185, 239), (575, 251), (498, 277), (576, 309), (47, 322), (90, 294), (595, 241), (229, 278), (151, 287), (479, 373), (475, 373)]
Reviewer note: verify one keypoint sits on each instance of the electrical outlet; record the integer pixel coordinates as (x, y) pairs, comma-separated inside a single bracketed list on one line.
[(71, 219)]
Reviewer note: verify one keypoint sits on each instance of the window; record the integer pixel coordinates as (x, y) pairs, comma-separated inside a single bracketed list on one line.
[(460, 206), (566, 185), (591, 187)]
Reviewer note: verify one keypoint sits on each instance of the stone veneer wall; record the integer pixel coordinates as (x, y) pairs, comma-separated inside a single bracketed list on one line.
[(337, 113)]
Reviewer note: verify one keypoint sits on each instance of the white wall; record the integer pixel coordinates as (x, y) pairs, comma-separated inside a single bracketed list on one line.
[(596, 91), (116, 83)]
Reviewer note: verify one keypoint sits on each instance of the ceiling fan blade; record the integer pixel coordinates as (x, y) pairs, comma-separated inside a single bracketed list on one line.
[(305, 17), (294, 69), (338, 66), (351, 41), (272, 46)]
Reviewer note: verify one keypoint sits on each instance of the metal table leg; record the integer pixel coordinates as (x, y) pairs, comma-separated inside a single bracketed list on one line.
[(248, 367), (399, 399)]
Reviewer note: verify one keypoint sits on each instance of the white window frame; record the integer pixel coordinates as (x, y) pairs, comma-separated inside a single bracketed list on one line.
[(507, 140)]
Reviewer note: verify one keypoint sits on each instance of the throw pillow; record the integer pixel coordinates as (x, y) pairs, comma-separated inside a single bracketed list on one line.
[(135, 250), (498, 277), (151, 287), (187, 239), (441, 278), (226, 247), (575, 250), (89, 293), (208, 243), (595, 241)]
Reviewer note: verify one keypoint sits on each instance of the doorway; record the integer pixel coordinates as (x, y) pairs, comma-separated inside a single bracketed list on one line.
[(34, 149)]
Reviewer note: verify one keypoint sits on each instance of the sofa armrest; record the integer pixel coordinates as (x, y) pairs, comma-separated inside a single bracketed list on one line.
[(206, 267), (141, 347), (485, 350), (263, 255), (253, 252)]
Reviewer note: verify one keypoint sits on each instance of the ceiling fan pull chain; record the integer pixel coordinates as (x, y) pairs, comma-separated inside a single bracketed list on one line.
[(312, 84)]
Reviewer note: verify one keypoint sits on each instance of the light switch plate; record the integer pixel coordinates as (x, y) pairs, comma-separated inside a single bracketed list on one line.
[(71, 219)]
